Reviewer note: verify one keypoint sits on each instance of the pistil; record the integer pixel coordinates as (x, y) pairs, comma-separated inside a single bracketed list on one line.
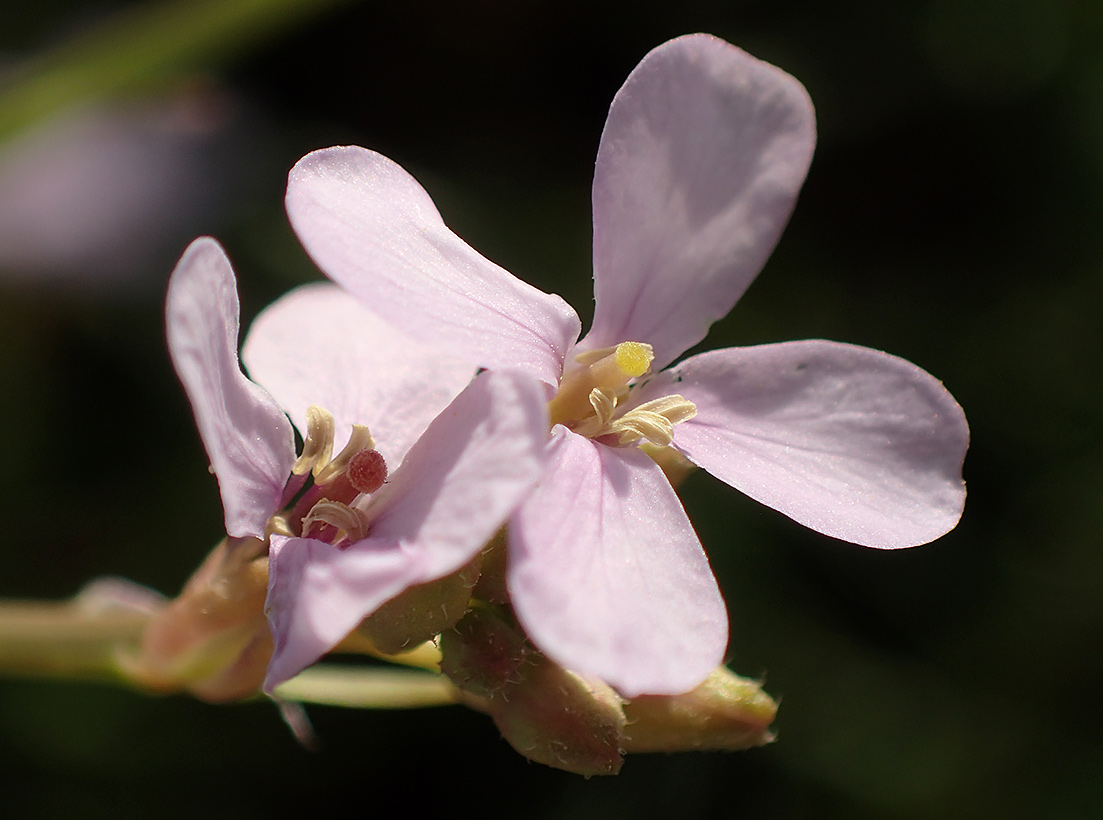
[(326, 510), (608, 370)]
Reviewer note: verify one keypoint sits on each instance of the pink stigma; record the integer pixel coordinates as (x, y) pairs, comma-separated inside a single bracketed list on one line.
[(367, 471)]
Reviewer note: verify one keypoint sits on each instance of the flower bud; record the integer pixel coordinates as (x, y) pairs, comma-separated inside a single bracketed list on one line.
[(561, 719), (546, 713), (484, 654), (213, 639), (420, 613), (726, 712)]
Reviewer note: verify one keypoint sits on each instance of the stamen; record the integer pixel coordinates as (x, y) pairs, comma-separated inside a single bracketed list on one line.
[(654, 420), (345, 519), (610, 372), (675, 408), (318, 442), (603, 403), (359, 439), (642, 424)]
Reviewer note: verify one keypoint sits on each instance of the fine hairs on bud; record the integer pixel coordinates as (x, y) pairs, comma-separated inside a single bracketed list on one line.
[(367, 471)]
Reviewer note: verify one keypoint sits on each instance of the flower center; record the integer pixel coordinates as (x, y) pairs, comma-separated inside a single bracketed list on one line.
[(335, 507), (592, 397)]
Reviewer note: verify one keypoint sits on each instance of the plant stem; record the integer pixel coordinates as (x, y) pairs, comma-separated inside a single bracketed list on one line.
[(368, 688), (66, 639)]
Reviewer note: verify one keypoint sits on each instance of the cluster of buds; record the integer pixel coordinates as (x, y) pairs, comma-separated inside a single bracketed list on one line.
[(557, 717)]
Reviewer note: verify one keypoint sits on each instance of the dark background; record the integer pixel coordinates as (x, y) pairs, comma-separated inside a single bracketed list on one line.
[(951, 217)]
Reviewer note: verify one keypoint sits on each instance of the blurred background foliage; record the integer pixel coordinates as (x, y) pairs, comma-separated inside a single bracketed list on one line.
[(951, 217)]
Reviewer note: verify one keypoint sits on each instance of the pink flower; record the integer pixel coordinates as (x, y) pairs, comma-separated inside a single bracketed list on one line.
[(700, 163), (247, 437), (461, 453)]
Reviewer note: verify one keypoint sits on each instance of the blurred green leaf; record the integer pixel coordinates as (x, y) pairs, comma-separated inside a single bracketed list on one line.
[(141, 46)]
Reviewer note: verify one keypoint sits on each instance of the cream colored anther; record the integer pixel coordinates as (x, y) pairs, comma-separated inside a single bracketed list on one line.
[(359, 439), (348, 521), (318, 442), (653, 421)]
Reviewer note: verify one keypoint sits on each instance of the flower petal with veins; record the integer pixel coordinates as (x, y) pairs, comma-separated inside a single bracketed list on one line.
[(607, 574), (246, 435), (372, 228), (700, 162), (319, 345), (317, 594), (852, 442)]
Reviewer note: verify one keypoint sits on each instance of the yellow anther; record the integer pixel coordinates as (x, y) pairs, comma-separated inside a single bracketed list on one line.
[(604, 406), (634, 358), (646, 425), (674, 408)]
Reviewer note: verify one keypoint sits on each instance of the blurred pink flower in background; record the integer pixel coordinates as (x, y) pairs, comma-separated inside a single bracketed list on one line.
[(97, 195)]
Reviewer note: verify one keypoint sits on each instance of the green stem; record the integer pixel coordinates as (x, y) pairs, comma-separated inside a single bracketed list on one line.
[(139, 46), (79, 640), (66, 639), (368, 688)]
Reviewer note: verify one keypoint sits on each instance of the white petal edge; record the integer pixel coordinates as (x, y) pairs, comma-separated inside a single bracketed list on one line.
[(849, 441), (374, 230), (248, 439), (701, 159), (608, 577), (320, 345)]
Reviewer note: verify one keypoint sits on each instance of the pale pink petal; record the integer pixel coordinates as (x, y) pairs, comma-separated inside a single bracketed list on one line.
[(698, 170), (607, 575), (374, 230), (468, 472), (318, 593), (319, 345), (247, 437), (456, 488), (852, 442)]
